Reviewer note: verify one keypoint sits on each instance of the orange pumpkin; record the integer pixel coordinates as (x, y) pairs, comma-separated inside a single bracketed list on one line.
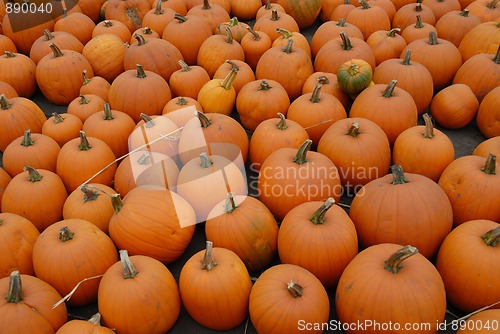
[(105, 53), (84, 106), (219, 95), (480, 39), (416, 31), (330, 30), (62, 127), (454, 106), (96, 85), (330, 85), (407, 15), (487, 114), (254, 44), (303, 12), (181, 109), (386, 44), (4, 181), (268, 23), (158, 17), (77, 24), (455, 24), (213, 13), (18, 70), (129, 12), (113, 27), (487, 319), (245, 73), (63, 39), (7, 90), (369, 19), (489, 145), (188, 80), (93, 325)]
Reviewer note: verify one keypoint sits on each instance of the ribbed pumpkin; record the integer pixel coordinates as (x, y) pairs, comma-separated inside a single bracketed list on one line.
[(156, 134), (487, 319), (85, 105), (212, 12), (18, 70), (188, 80), (181, 109), (113, 27), (7, 90), (245, 226), (489, 145), (80, 250), (76, 24), (486, 10), (304, 12), (129, 12), (96, 85), (219, 95), (268, 23), (330, 85), (416, 31), (62, 127), (158, 17), (480, 39), (354, 76), (330, 30), (106, 53), (466, 181), (487, 115), (254, 44), (4, 181), (152, 221), (220, 276), (93, 325), (395, 208), (407, 15), (369, 19), (386, 44), (320, 237), (455, 24), (441, 7), (245, 73)]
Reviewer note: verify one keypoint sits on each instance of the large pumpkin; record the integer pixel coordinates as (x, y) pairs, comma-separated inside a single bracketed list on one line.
[(304, 12)]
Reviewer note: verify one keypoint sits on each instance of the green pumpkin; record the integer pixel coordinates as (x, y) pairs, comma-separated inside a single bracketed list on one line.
[(354, 76)]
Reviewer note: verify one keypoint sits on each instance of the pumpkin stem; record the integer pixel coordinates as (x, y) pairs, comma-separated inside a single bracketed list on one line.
[(140, 71), (117, 202), (490, 165), (65, 234), (295, 289), (268, 6), (393, 32), (419, 24), (264, 85), (4, 103), (492, 4), (206, 162), (281, 125), (364, 4), (96, 318), (318, 216), (108, 115), (179, 17), (389, 90), (83, 99), (322, 79), (429, 127), (464, 13), (315, 94), (9, 54), (346, 42), (108, 23), (353, 130), (288, 46), (406, 59), (496, 59), (140, 39), (184, 66), (55, 50), (256, 36), (229, 35), (433, 39), (89, 194), (84, 142), (227, 83), (145, 159), (394, 262), (27, 140), (15, 294), (206, 5), (229, 204), (492, 238), (398, 175), (86, 79), (158, 8), (149, 122), (204, 121), (341, 22), (301, 156), (129, 270), (47, 34), (181, 101), (208, 262), (274, 15), (33, 174), (57, 118), (285, 34)]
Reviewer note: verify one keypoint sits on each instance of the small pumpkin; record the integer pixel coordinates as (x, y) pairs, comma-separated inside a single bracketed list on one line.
[(84, 106), (487, 114), (188, 80), (219, 95), (354, 76), (487, 318), (63, 39), (93, 325), (304, 12), (454, 106), (455, 24), (18, 70), (96, 85), (105, 54), (62, 127), (489, 145), (113, 27)]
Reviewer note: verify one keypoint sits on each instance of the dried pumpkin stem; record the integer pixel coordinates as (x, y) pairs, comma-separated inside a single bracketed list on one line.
[(58, 118), (389, 90), (295, 289), (281, 125), (274, 15), (289, 46), (86, 79), (419, 24), (315, 94), (322, 79), (9, 54), (433, 39), (129, 270), (48, 35), (55, 50), (227, 83), (353, 130), (208, 262), (159, 8), (83, 99), (140, 71), (117, 202), (149, 122), (492, 238), (464, 13), (140, 39), (33, 174), (229, 204), (492, 5), (341, 21), (179, 17), (181, 101), (84, 142), (394, 262), (27, 140), (89, 194), (393, 32), (96, 318), (15, 293), (346, 42), (364, 4), (285, 34), (264, 85), (108, 115), (429, 127), (206, 5), (206, 162), (268, 5), (256, 36), (4, 103), (398, 175), (184, 66), (301, 156), (108, 23), (65, 234), (490, 165), (229, 35), (406, 59), (204, 121), (496, 59), (318, 216)]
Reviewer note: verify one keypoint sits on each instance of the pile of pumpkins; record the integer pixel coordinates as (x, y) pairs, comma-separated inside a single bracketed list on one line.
[(221, 115)]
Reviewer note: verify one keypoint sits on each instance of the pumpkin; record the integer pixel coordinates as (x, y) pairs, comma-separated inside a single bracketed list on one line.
[(65, 7), (156, 134), (204, 182), (85, 159), (96, 85), (441, 7), (377, 221), (181, 109), (320, 237), (63, 39), (484, 65), (154, 222), (330, 85), (6, 44), (299, 39), (316, 112), (487, 114), (27, 306), (215, 133), (59, 75), (90, 202), (480, 39), (146, 32), (415, 150), (113, 27), (486, 10), (480, 322), (330, 30), (400, 279), (77, 24), (158, 17), (188, 80), (369, 19), (286, 296), (354, 76), (267, 7), (220, 276), (4, 181), (327, 7), (112, 126), (342, 10), (360, 150), (213, 13), (93, 325), (84, 106), (391, 107), (259, 100), (465, 181), (455, 24), (106, 54), (80, 250), (62, 127), (273, 134), (387, 5), (152, 281), (219, 95), (289, 177), (386, 44), (7, 90), (290, 66), (245, 73), (36, 150), (254, 44), (471, 251), (416, 31), (407, 15), (27, 195), (91, 8), (129, 12), (487, 146), (17, 240), (454, 106), (18, 70), (269, 22), (139, 91), (411, 75), (245, 226), (303, 12)]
